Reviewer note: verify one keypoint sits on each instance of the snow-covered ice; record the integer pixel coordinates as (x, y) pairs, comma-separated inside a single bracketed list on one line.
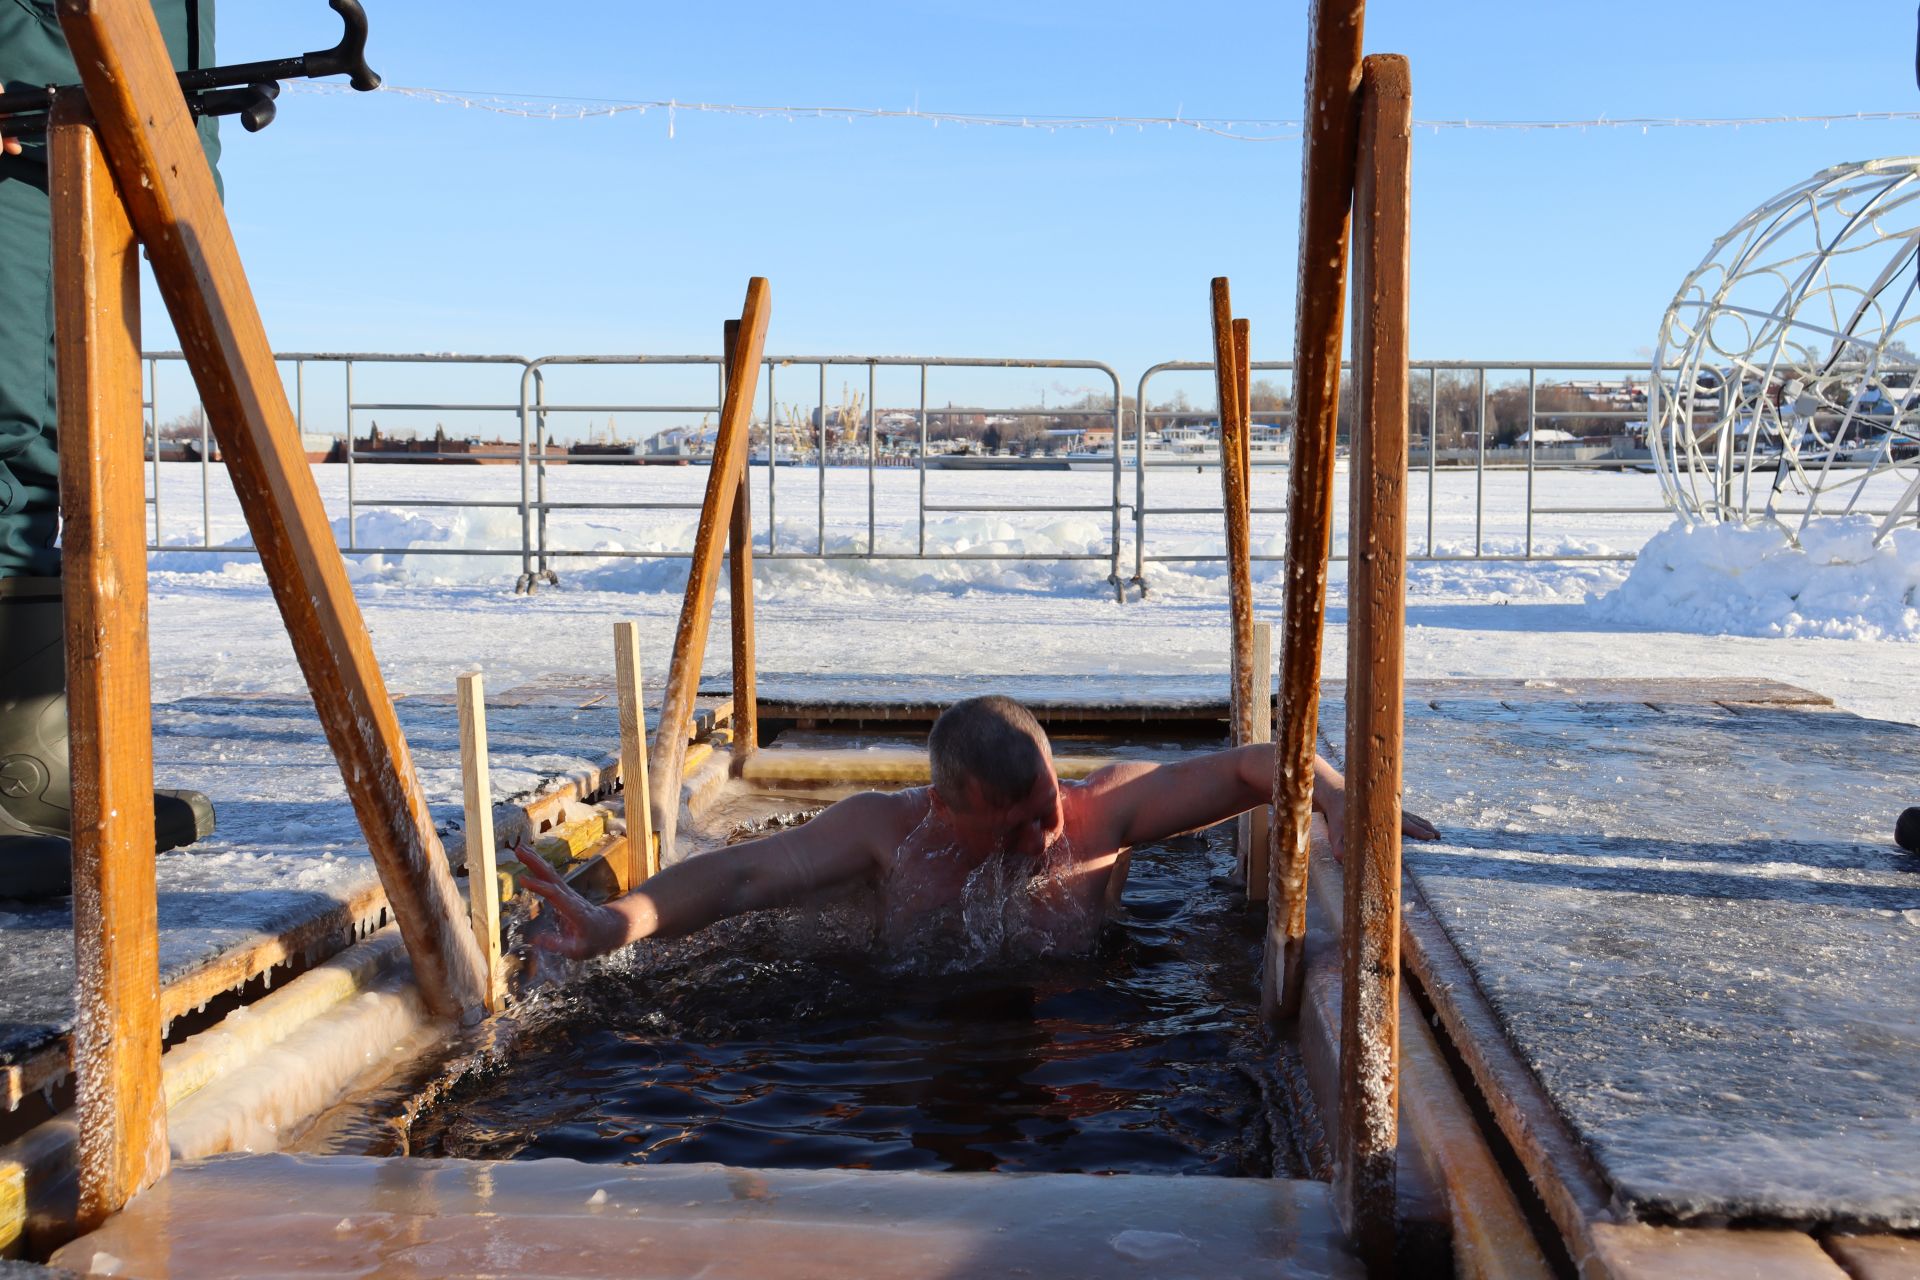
[(432, 616)]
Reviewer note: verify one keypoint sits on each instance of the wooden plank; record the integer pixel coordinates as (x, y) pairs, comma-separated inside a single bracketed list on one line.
[(13, 1207), (116, 929), (877, 766), (1877, 1257), (746, 703), (1257, 826), (1376, 666), (1491, 1237), (643, 853), (1229, 351), (476, 794), (1333, 86), (1559, 1169), (696, 609), (152, 148), (1632, 1252)]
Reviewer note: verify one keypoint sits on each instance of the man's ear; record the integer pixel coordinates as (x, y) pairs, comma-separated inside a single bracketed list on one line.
[(939, 805)]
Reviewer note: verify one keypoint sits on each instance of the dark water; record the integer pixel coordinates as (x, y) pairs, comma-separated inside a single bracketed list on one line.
[(1144, 1056)]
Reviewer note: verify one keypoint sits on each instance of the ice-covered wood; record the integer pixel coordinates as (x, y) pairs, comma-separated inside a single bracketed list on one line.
[(643, 853), (116, 1030), (1256, 835), (1326, 194), (452, 1219), (696, 610), (1229, 354), (1368, 1129), (151, 145), (476, 794)]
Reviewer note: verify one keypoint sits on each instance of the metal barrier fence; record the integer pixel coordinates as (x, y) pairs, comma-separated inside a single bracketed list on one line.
[(528, 419), (1532, 462)]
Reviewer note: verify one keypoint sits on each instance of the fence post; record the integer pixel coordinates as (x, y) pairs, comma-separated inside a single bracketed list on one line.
[(643, 855), (1229, 338)]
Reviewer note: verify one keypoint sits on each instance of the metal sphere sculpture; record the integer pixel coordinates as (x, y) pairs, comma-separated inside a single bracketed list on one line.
[(1786, 381)]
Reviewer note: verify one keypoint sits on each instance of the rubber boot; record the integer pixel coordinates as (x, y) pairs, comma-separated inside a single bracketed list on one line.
[(36, 800)]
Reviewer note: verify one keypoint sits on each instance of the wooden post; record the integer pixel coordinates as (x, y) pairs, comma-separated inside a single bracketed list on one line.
[(1333, 83), (696, 609), (483, 871), (1259, 822), (116, 1033), (746, 696), (1376, 674), (643, 855), (163, 176), (1230, 380)]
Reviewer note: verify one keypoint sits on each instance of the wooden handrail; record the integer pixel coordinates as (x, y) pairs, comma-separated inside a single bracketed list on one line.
[(1333, 84), (1376, 668), (746, 695), (696, 608)]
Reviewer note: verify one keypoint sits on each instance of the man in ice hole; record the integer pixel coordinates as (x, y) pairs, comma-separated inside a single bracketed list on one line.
[(997, 832)]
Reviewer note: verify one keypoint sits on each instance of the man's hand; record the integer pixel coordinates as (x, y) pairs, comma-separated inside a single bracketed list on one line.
[(1411, 824), (9, 146), (586, 929)]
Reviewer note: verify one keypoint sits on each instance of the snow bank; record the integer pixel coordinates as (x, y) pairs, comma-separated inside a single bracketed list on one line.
[(1729, 579)]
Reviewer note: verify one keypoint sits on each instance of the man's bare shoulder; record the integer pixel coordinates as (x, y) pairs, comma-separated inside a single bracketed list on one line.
[(887, 817)]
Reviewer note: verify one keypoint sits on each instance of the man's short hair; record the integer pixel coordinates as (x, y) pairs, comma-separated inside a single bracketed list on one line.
[(993, 743)]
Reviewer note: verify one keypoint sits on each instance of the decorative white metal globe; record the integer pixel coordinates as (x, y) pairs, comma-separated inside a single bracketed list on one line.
[(1786, 382)]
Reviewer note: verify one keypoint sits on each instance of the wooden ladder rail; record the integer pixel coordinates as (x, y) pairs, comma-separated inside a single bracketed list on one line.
[(1230, 376), (1368, 1132), (116, 1028), (1333, 87), (161, 192), (746, 694), (724, 479)]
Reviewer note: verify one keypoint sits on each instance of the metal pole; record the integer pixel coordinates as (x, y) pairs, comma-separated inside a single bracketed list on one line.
[(1480, 471), (1433, 446), (821, 512), (923, 459), (540, 466), (153, 406), (1533, 440), (773, 466), (352, 524), (526, 510), (872, 445), (1119, 425), (1140, 484), (206, 479)]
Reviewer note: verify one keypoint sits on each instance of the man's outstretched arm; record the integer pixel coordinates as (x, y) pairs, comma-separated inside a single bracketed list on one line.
[(1144, 802), (837, 846)]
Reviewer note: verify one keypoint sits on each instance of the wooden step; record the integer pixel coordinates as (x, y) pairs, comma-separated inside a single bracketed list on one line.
[(245, 1216)]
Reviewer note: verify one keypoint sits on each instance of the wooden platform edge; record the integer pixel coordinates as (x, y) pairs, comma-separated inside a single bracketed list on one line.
[(1571, 1187), (1491, 1237), (311, 941)]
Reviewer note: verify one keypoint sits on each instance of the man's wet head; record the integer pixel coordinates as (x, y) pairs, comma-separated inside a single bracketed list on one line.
[(993, 777)]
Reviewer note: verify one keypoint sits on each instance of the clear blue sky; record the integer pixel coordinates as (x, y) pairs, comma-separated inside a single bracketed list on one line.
[(375, 222)]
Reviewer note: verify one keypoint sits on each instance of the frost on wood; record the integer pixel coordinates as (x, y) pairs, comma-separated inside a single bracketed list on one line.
[(1696, 931)]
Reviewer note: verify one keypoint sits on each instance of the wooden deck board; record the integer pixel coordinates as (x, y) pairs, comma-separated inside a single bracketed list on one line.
[(253, 1215)]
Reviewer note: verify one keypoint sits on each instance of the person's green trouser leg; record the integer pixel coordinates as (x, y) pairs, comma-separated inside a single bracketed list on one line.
[(34, 793)]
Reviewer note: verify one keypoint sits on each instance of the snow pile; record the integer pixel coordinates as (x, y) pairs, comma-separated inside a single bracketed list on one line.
[(1727, 579)]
